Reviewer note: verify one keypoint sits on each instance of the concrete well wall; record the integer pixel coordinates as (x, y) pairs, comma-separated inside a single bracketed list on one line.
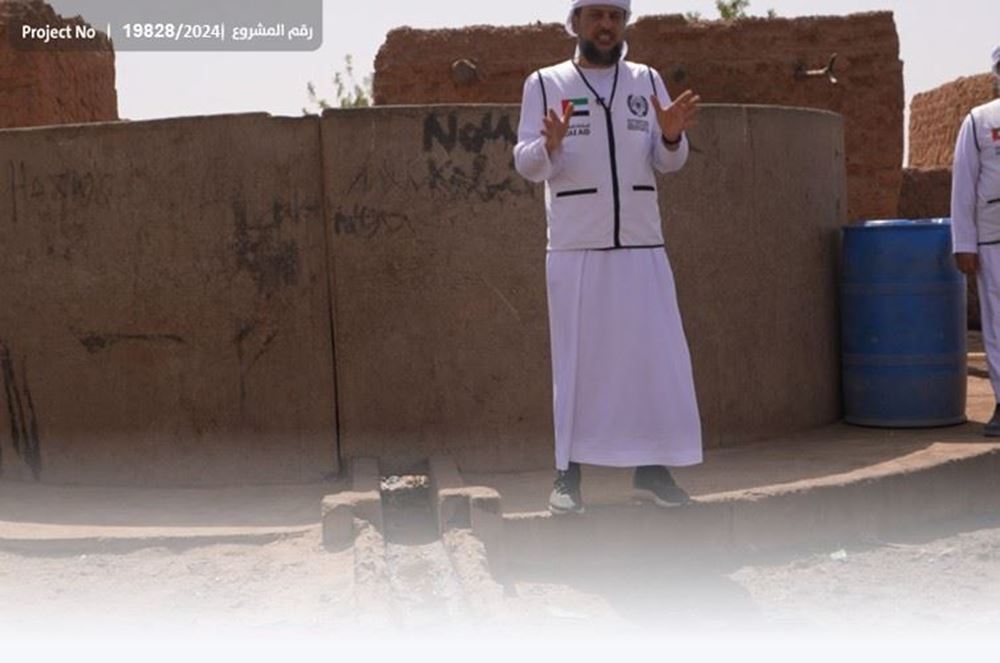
[(247, 299), (439, 293), (164, 308)]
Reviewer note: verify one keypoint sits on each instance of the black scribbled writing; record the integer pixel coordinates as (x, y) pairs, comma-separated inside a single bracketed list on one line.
[(470, 136), (21, 413), (95, 342), (368, 222), (82, 188), (458, 181), (271, 261)]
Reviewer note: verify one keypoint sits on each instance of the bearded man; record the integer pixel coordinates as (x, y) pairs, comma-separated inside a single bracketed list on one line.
[(596, 129)]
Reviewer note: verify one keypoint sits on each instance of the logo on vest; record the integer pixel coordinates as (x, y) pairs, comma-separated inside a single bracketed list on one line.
[(638, 105), (996, 135)]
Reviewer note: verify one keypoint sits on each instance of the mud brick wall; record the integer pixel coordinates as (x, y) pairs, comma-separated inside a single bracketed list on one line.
[(752, 61), (53, 87), (925, 193), (936, 115)]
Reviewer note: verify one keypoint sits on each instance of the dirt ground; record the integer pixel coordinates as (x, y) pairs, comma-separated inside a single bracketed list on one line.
[(946, 580), (292, 583), (948, 583)]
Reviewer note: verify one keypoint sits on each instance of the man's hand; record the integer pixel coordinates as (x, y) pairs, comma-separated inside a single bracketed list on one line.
[(967, 263), (556, 128), (679, 116)]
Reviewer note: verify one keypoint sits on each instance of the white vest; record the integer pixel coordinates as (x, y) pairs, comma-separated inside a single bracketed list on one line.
[(986, 128), (604, 196)]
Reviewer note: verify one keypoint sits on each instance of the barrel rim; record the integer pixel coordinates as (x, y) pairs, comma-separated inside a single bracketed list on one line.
[(877, 422), (900, 224)]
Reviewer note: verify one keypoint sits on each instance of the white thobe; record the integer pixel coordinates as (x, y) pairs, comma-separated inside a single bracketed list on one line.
[(623, 386)]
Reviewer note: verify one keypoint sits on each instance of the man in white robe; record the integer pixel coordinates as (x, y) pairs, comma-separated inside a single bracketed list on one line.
[(595, 129), (975, 223)]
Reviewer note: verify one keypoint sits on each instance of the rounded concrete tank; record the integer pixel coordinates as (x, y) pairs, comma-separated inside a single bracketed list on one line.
[(752, 226), (438, 254), (216, 299)]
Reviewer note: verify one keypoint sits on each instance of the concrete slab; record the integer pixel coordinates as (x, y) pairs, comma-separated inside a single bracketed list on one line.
[(338, 514), (61, 519), (437, 250), (451, 501), (164, 315), (366, 482), (437, 264), (340, 511), (834, 484), (475, 509), (365, 475)]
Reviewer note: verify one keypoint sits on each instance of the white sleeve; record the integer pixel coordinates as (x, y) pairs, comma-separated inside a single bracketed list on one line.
[(965, 178), (665, 160), (531, 159)]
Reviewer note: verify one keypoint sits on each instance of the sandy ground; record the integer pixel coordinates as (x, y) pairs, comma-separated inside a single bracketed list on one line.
[(925, 581), (292, 583), (946, 581)]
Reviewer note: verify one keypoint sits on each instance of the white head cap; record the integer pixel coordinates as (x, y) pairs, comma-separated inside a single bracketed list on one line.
[(577, 4), (996, 60)]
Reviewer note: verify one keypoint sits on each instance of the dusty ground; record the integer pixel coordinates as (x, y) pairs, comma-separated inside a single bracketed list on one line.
[(287, 584), (925, 581), (944, 581)]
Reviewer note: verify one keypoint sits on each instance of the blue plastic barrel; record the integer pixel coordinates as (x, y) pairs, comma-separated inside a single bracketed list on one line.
[(903, 325)]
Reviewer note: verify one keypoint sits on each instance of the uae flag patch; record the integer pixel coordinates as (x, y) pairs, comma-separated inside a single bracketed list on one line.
[(581, 107), (996, 135)]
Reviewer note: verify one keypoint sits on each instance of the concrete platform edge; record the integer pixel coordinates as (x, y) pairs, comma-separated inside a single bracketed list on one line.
[(824, 513)]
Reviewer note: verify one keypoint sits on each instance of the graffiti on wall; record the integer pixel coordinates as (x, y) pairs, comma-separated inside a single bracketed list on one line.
[(260, 251), (21, 413), (462, 161), (466, 173), (53, 198), (472, 137), (253, 339), (458, 181), (96, 342), (369, 222), (81, 188)]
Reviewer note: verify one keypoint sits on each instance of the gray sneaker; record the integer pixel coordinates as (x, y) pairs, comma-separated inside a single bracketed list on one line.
[(655, 481), (566, 497), (992, 428)]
